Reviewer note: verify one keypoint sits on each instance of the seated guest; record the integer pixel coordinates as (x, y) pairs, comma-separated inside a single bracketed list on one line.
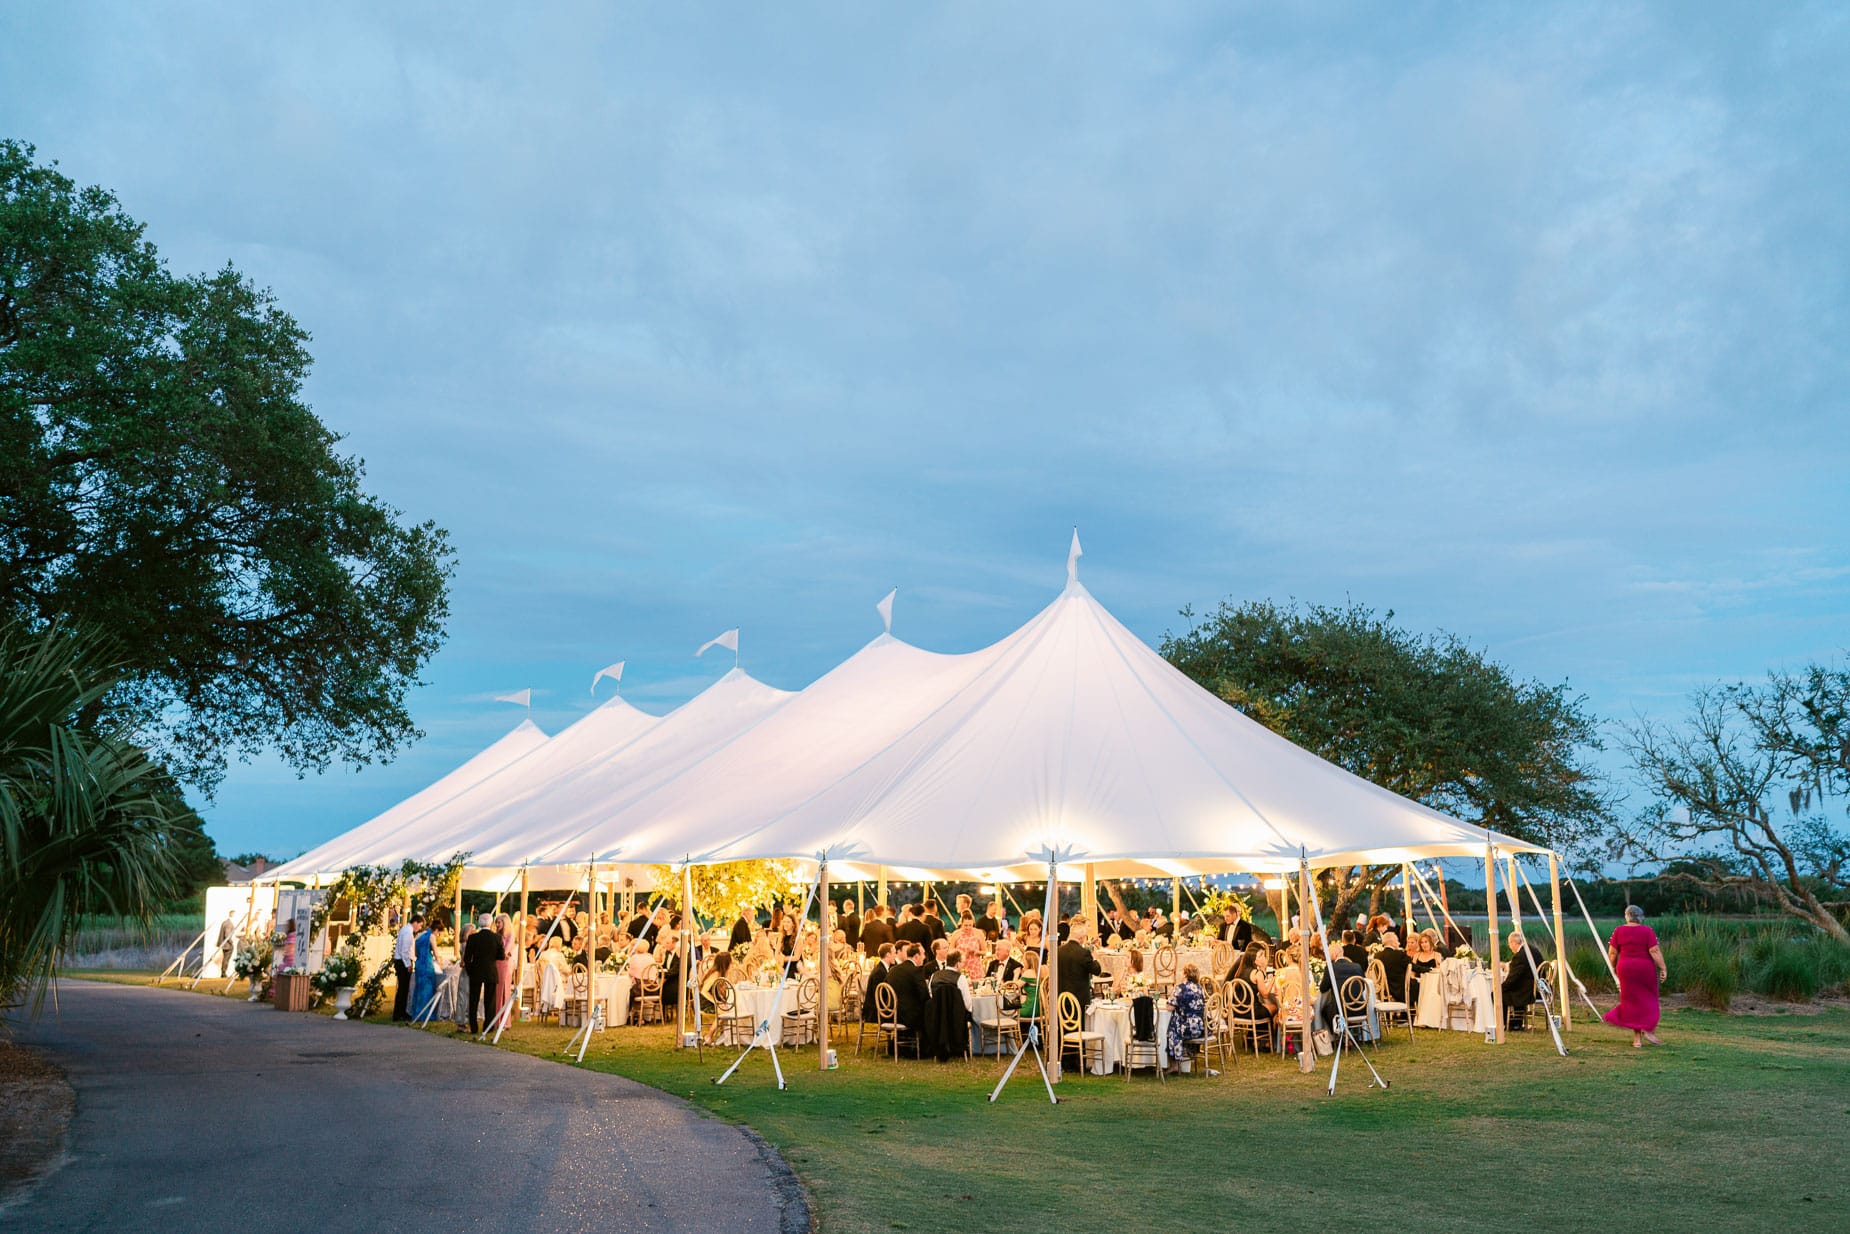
[(1030, 978), (641, 961), (935, 961), (1005, 966), (1029, 940), (1352, 947), (909, 988), (555, 953), (876, 977), (1336, 973), (1394, 963), (1250, 967), (1423, 959), (1519, 975), (741, 930), (530, 942), (1128, 975), (719, 971), (1188, 1019)]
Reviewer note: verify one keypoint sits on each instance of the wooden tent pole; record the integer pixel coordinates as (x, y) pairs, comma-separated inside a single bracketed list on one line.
[(1496, 960), (456, 922), (520, 944), (1406, 901), (1050, 973), (1175, 907), (1561, 979), (1088, 896), (822, 966), (880, 892)]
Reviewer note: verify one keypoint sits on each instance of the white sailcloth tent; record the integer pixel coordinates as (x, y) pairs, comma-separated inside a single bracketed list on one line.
[(342, 851), (541, 825), (845, 718), (453, 826), (1075, 737)]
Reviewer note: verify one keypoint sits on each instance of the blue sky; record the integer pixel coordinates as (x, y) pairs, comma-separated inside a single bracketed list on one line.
[(1526, 322)]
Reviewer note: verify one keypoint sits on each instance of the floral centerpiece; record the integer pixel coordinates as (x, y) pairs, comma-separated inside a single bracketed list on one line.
[(1465, 952)]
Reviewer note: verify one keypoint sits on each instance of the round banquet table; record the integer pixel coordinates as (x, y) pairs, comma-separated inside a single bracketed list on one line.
[(1111, 1019), (1457, 995), (757, 1002)]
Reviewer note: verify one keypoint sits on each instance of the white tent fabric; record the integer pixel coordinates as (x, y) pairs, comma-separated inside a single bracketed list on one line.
[(545, 824), (455, 825), (848, 716), (1074, 736), (337, 854)]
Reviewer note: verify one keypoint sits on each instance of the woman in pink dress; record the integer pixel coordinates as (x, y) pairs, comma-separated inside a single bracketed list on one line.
[(504, 967), (1639, 962)]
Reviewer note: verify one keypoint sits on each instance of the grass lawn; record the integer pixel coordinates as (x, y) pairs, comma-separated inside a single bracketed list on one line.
[(1736, 1124)]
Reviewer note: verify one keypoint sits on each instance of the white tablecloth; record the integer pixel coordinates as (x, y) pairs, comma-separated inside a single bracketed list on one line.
[(756, 1002), (1457, 995), (1116, 962), (1112, 1021)]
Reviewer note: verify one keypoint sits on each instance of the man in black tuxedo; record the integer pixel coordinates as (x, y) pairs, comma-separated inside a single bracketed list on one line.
[(876, 977), (912, 927), (1519, 976), (634, 926), (933, 921), (990, 923), (1235, 929), (876, 931), (849, 923), (909, 988), (1114, 924), (1077, 967), (1338, 971), (1357, 953), (480, 955), (1394, 964)]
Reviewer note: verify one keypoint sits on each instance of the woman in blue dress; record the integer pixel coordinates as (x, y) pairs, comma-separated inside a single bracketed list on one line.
[(1188, 1018), (425, 977)]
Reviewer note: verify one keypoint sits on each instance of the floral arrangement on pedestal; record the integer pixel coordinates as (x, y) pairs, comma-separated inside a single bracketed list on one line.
[(1466, 953), (342, 970), (252, 959)]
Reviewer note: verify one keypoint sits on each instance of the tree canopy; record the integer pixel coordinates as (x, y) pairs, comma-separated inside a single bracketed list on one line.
[(162, 479), (1750, 793), (1427, 716)]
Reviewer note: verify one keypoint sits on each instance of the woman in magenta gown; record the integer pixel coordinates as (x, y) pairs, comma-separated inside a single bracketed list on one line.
[(1640, 964)]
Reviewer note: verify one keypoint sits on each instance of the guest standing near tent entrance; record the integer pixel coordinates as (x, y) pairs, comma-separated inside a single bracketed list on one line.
[(1639, 962)]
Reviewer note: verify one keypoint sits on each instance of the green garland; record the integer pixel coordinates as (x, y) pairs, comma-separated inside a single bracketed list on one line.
[(373, 892)]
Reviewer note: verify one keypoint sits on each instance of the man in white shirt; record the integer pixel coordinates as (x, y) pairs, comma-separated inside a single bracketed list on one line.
[(404, 959)]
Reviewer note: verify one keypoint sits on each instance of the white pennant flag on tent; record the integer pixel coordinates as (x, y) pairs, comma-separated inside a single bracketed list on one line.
[(729, 640), (885, 609), (520, 698), (1072, 559), (614, 672)]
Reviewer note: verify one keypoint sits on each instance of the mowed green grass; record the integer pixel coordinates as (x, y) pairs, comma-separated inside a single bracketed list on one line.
[(1736, 1124)]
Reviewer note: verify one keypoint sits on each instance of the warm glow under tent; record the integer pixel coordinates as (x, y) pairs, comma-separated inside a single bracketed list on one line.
[(342, 851)]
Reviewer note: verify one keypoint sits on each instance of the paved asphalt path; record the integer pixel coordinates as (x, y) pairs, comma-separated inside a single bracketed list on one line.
[(206, 1114)]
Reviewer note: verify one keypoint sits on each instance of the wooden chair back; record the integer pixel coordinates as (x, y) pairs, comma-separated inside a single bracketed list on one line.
[(1070, 1017), (1165, 964), (886, 1005), (1241, 999), (809, 993)]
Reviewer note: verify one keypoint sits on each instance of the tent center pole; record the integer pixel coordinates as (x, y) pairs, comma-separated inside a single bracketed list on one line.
[(823, 945), (1496, 960), (1561, 980)]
